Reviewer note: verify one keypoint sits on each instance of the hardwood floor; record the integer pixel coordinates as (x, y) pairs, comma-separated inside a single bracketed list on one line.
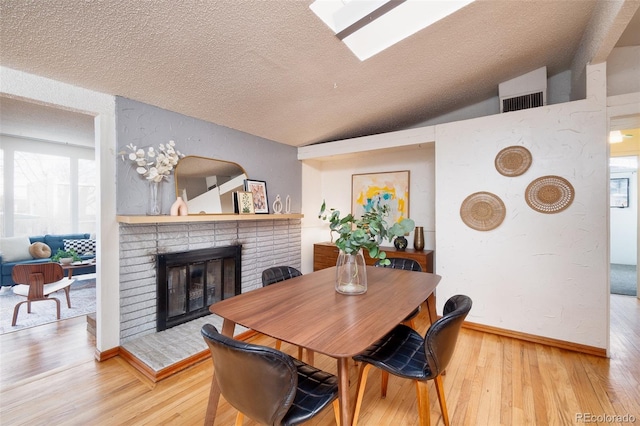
[(49, 376)]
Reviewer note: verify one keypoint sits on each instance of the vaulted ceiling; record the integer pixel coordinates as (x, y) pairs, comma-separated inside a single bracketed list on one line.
[(274, 70)]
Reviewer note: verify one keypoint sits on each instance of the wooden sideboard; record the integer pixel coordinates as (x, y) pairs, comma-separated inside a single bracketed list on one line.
[(325, 255)]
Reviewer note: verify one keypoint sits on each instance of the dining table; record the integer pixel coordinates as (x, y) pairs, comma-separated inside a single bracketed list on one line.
[(306, 311)]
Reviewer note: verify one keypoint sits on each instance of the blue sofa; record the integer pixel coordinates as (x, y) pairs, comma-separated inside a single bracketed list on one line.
[(54, 242)]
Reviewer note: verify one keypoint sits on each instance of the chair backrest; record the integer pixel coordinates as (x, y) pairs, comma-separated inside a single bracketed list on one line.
[(442, 336), (276, 274), (50, 272), (258, 381), (401, 263)]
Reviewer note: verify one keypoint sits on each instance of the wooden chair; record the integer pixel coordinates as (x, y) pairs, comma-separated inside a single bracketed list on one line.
[(403, 352), (36, 282)]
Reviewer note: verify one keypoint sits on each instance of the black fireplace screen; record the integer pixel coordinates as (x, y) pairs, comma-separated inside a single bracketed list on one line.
[(189, 282)]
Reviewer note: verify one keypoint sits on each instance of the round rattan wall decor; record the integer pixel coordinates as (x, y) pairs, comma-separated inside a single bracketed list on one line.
[(549, 194), (513, 161), (482, 211)]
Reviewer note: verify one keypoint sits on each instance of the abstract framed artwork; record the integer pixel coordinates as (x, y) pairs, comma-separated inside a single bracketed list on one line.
[(258, 188), (391, 188)]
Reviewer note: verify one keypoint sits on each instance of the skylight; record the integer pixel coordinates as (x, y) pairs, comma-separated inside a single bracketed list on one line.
[(368, 27)]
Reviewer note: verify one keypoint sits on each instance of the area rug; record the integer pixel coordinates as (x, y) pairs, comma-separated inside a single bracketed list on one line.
[(83, 301), (624, 279)]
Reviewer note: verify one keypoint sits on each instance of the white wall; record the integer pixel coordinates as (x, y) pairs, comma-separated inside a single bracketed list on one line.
[(623, 223), (542, 274), (623, 69)]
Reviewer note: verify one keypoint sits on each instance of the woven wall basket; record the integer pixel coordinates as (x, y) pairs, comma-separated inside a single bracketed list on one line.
[(513, 161), (482, 211), (549, 194)]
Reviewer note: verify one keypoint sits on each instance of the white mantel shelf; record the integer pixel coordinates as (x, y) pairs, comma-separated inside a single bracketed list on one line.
[(141, 219)]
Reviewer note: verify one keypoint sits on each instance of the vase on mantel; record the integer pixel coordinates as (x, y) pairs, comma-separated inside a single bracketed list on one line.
[(154, 202), (351, 273)]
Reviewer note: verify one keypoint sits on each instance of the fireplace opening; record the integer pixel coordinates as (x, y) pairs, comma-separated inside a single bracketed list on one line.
[(189, 282)]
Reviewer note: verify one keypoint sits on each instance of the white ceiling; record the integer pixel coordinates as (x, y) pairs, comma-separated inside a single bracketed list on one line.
[(273, 69)]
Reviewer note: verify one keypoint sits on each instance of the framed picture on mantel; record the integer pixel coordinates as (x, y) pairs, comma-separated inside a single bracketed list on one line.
[(258, 188), (243, 202), (391, 188)]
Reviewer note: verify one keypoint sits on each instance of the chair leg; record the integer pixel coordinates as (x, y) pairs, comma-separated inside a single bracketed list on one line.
[(15, 312), (239, 419), (336, 411), (384, 382), (443, 403), (422, 391), (362, 383), (66, 290), (28, 302)]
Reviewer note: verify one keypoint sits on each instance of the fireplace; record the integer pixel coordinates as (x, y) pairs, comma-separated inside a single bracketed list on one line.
[(189, 282)]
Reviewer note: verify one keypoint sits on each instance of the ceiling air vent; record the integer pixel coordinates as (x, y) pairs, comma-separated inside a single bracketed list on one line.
[(527, 91)]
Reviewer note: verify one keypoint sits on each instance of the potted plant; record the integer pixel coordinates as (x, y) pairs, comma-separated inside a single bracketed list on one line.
[(65, 256), (356, 234)]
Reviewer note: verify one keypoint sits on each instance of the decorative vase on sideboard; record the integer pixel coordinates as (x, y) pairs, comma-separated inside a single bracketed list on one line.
[(400, 243), (418, 238), (154, 203), (351, 273)]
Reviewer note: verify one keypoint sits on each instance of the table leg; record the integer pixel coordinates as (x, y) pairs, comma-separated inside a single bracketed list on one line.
[(214, 394), (343, 390), (431, 307), (310, 357)]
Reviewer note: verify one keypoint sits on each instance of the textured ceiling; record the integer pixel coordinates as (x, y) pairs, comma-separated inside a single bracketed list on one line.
[(273, 69)]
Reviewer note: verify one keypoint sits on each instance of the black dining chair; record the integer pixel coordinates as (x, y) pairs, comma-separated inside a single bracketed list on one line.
[(404, 353), (276, 274), (268, 385), (407, 265)]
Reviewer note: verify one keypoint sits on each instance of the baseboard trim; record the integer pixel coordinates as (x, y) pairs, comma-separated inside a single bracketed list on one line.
[(156, 376), (108, 354), (561, 344)]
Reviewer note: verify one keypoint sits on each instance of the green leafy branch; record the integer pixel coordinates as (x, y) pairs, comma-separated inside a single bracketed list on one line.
[(368, 232)]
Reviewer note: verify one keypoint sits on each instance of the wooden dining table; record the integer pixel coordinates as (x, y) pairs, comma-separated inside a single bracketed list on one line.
[(306, 311)]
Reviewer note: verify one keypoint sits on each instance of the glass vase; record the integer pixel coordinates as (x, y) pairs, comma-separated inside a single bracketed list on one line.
[(351, 273), (154, 202)]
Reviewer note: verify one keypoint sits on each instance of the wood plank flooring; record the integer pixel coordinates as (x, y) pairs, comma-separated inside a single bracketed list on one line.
[(48, 377)]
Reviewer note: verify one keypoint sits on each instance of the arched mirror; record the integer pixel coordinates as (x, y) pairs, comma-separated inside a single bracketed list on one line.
[(207, 185)]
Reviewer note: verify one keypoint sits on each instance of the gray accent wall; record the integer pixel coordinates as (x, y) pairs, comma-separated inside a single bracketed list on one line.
[(145, 125)]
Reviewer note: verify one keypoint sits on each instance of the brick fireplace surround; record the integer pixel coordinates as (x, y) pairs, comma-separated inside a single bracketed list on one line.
[(265, 243)]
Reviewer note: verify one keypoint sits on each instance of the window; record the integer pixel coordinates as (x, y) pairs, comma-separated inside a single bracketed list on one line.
[(53, 188)]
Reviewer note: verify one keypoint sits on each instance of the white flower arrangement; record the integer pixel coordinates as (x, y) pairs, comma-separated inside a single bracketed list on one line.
[(154, 165)]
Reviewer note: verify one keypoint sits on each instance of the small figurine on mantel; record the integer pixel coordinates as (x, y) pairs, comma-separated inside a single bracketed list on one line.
[(277, 205), (179, 208), (287, 205)]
